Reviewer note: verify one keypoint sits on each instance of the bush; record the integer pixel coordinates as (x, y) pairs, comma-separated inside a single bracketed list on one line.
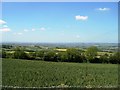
[(39, 55), (63, 56), (91, 53), (49, 56), (20, 54), (31, 55), (95, 60), (114, 59), (3, 53), (9, 55), (104, 58), (74, 55)]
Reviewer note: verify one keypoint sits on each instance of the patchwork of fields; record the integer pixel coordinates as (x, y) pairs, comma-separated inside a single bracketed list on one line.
[(26, 73)]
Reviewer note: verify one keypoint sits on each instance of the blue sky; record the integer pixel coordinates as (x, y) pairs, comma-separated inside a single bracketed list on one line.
[(59, 22)]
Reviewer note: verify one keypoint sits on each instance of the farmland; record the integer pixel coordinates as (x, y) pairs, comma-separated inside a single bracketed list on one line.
[(59, 45), (31, 73), (46, 65), (62, 52)]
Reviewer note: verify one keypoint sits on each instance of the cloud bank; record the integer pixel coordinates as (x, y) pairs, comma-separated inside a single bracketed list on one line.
[(5, 29), (2, 22)]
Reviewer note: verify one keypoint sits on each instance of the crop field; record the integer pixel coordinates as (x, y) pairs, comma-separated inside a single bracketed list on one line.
[(103, 53), (61, 50), (26, 73)]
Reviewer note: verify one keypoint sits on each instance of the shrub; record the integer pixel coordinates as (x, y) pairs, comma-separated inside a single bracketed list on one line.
[(49, 56), (104, 58), (20, 54), (114, 59), (3, 53)]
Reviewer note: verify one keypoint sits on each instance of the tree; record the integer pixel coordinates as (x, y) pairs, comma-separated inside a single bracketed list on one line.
[(57, 57), (104, 58), (9, 55), (3, 53), (0, 53), (74, 55), (95, 60), (20, 53), (7, 46), (63, 57), (31, 55), (49, 56), (91, 53), (39, 55), (115, 58)]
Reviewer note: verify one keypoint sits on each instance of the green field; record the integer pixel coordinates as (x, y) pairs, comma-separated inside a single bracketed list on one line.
[(26, 73)]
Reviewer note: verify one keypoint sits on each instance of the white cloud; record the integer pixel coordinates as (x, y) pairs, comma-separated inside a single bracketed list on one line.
[(78, 17), (2, 22), (18, 33), (33, 30), (5, 29), (103, 9), (25, 30), (5, 26), (42, 29)]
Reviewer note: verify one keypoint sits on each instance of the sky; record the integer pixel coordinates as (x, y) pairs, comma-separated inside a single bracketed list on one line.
[(60, 0), (59, 22)]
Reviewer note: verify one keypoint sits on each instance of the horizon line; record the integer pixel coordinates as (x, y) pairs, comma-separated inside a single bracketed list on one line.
[(56, 42)]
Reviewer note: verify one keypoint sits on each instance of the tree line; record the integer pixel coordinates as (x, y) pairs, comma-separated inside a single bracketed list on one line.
[(71, 55)]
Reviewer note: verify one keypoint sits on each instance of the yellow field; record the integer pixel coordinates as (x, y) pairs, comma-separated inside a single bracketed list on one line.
[(61, 50), (102, 53)]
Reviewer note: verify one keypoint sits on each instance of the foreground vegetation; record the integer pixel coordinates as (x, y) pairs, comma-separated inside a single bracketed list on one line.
[(27, 73)]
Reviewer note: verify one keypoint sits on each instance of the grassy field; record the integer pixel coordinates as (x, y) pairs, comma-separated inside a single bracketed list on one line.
[(26, 73)]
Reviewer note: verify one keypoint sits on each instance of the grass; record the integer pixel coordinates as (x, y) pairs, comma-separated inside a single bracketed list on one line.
[(26, 73)]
